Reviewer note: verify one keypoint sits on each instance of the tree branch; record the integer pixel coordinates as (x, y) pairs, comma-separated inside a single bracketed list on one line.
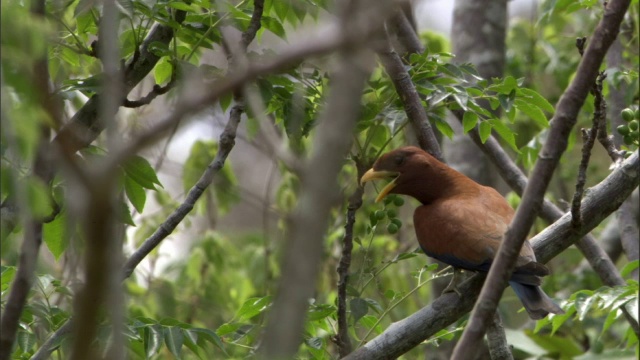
[(410, 99), (561, 125), (84, 127), (32, 240), (318, 190), (355, 202), (589, 138), (600, 202), (290, 57), (497, 340)]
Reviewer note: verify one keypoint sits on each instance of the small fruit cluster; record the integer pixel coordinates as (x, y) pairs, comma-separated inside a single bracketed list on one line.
[(629, 131), (391, 202)]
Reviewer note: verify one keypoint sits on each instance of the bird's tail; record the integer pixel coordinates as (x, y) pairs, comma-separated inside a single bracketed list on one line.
[(535, 301)]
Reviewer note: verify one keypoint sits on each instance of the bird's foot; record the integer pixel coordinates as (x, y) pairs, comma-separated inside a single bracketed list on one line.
[(453, 285)]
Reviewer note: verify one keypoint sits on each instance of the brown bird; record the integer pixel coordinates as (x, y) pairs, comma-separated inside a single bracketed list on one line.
[(460, 222)]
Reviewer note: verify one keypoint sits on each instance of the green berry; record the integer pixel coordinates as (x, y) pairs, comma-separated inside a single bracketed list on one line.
[(398, 201), (388, 199), (637, 114), (628, 139), (373, 218), (392, 213), (392, 228), (633, 125), (627, 114), (396, 222), (380, 214), (623, 130)]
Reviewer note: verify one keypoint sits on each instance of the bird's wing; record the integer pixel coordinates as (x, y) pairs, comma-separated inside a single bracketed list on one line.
[(466, 231)]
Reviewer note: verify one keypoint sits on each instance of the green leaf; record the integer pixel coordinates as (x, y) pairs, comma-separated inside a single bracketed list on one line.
[(39, 198), (469, 121), (54, 235), (159, 49), (320, 312), (404, 256), (140, 171), (183, 6), (368, 321), (506, 101), (26, 340), (485, 131), (533, 112), (211, 337), (378, 135), (124, 214), (274, 26), (535, 99), (359, 308), (191, 341), (135, 193), (505, 87), (281, 8), (443, 127), (163, 70), (505, 133), (314, 342), (627, 269), (6, 277), (225, 101), (174, 339), (374, 305), (611, 318), (253, 306), (152, 338), (461, 99), (558, 320)]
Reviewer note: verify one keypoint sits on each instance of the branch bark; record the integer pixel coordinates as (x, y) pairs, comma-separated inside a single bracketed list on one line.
[(84, 127), (317, 195), (601, 201), (32, 240), (318, 192), (561, 125), (355, 202), (410, 99)]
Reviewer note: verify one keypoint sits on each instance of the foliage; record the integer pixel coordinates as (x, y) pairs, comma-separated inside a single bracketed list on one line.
[(211, 298)]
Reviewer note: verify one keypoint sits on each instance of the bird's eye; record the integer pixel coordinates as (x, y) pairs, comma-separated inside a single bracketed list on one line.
[(399, 160)]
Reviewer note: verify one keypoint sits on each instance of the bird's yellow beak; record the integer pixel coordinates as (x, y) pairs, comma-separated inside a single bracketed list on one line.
[(374, 175)]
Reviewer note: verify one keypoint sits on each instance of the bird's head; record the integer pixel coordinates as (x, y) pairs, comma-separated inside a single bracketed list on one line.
[(413, 172)]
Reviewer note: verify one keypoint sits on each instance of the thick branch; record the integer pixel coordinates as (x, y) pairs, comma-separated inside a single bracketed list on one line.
[(407, 36), (600, 202), (561, 125), (318, 193), (497, 340)]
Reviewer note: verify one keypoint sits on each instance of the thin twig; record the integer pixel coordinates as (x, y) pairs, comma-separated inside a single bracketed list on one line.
[(355, 202)]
